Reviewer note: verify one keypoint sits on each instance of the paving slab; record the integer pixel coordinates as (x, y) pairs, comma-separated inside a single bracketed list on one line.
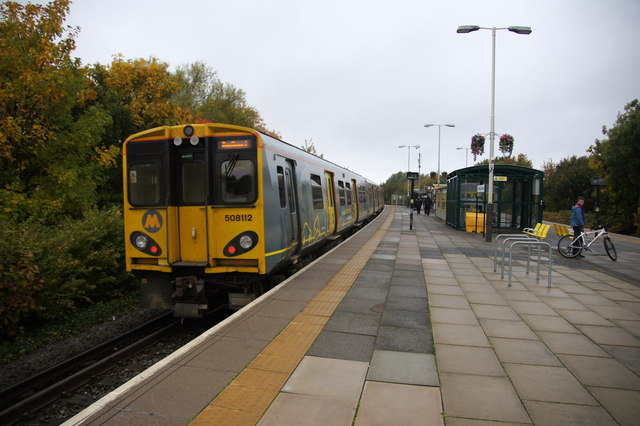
[(552, 414), (533, 352), (413, 405), (481, 397), (468, 360), (598, 371), (550, 384), (404, 368)]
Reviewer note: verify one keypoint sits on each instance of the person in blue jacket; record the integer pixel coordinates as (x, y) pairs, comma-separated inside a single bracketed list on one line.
[(577, 219)]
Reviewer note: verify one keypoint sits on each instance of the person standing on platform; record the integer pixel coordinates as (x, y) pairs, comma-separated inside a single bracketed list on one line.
[(418, 204), (577, 220), (427, 205)]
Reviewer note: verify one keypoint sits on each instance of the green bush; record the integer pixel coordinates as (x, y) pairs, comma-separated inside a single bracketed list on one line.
[(81, 262), (19, 280)]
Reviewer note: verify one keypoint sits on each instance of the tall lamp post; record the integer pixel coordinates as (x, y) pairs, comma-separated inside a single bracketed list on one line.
[(463, 29), (439, 127), (466, 155)]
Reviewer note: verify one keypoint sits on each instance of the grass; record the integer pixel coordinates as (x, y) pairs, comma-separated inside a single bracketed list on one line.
[(47, 334)]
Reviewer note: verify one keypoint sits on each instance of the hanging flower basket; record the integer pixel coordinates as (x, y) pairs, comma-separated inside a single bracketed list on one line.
[(477, 146), (506, 144)]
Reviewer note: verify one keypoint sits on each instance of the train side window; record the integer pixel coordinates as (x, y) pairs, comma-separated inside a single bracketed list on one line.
[(283, 197), (144, 184), (341, 192), (238, 183), (316, 192), (347, 186), (292, 200)]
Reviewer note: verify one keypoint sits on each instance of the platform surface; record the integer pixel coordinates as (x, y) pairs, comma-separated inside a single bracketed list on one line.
[(410, 327)]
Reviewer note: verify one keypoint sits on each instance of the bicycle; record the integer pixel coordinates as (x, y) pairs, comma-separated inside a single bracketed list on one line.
[(570, 246)]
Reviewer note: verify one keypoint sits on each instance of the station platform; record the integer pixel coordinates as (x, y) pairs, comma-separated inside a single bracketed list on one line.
[(410, 327)]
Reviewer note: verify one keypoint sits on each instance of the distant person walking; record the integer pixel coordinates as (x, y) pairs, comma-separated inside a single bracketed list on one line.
[(577, 220), (427, 205), (418, 204)]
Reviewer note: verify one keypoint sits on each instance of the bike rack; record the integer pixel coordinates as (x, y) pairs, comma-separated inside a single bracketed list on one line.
[(529, 244), (495, 248)]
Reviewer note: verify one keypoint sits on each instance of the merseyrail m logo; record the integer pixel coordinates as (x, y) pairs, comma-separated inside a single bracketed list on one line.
[(152, 221)]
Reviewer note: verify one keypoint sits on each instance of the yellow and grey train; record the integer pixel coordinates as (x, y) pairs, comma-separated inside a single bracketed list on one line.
[(214, 209)]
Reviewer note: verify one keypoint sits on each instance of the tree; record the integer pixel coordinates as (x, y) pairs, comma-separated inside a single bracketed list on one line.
[(49, 156), (566, 181), (201, 92), (617, 158), (395, 184)]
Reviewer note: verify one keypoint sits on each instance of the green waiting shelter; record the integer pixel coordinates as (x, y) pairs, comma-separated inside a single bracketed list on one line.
[(517, 193)]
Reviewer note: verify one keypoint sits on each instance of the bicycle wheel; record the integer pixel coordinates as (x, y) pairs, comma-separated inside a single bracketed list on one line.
[(610, 248), (568, 247)]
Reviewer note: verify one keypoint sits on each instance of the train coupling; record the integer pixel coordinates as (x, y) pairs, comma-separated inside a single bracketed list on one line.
[(189, 298)]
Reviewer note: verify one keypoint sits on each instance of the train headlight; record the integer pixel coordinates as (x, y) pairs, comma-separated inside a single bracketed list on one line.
[(145, 243), (177, 141), (241, 244), (188, 131), (246, 242), (141, 241)]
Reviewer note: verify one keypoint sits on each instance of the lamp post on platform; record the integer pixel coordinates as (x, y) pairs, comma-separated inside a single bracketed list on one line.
[(466, 155), (439, 127), (463, 29)]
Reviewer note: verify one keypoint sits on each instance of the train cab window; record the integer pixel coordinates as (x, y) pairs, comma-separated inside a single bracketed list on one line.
[(283, 197), (144, 184), (193, 183), (341, 192), (316, 192), (347, 186), (238, 181)]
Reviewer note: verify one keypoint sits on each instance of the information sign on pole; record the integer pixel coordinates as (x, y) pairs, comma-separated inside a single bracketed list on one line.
[(413, 176)]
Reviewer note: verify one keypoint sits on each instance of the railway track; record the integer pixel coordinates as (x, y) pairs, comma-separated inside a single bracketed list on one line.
[(41, 389)]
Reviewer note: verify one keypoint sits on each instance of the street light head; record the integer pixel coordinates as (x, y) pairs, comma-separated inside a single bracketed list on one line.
[(402, 146), (520, 30), (450, 125), (467, 28), (429, 125)]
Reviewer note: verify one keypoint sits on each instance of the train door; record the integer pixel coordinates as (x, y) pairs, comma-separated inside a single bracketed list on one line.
[(290, 185), (191, 191), (331, 204), (354, 197)]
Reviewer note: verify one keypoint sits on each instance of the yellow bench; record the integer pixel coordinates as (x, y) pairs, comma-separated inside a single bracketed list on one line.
[(540, 231), (562, 230), (532, 230)]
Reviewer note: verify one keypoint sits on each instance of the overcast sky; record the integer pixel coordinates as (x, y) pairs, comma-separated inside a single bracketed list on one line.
[(360, 78)]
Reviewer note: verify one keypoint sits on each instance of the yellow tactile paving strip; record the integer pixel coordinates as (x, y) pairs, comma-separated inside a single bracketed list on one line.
[(248, 396)]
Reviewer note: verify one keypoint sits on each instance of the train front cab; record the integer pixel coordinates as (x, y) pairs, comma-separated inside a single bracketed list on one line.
[(193, 214)]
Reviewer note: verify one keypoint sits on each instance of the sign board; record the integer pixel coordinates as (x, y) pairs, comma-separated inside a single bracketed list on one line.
[(596, 181), (499, 178), (413, 175), (480, 189)]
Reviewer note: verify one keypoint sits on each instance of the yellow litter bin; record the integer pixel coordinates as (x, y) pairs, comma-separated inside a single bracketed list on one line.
[(474, 222)]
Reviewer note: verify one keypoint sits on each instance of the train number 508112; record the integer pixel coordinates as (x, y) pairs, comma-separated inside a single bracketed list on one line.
[(238, 218)]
